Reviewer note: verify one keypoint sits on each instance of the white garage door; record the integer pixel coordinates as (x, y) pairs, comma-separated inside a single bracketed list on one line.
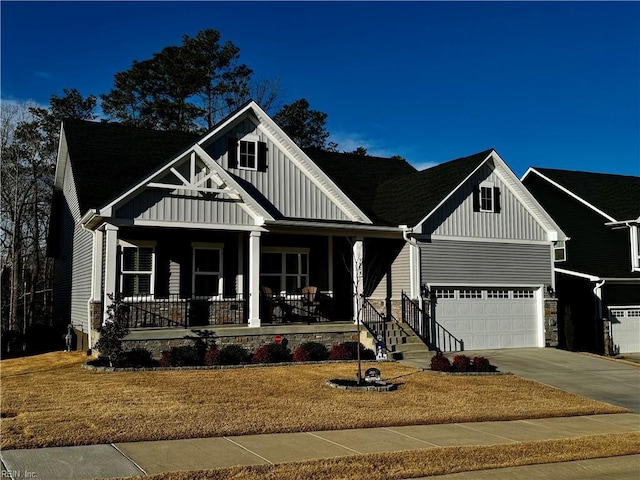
[(625, 329), (486, 318)]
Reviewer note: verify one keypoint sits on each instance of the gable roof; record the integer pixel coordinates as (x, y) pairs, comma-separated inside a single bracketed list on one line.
[(359, 176), (615, 196), (108, 158), (406, 200)]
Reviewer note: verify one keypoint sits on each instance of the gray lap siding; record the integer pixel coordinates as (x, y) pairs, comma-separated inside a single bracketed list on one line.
[(451, 262)]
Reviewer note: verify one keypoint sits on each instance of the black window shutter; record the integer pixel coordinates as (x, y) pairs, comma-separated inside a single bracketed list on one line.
[(496, 200), (476, 198), (232, 153), (262, 157)]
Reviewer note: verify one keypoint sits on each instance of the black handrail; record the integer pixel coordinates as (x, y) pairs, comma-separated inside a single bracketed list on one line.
[(428, 329), (371, 318)]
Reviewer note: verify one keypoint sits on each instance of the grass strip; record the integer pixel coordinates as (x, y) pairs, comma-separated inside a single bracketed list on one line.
[(428, 462)]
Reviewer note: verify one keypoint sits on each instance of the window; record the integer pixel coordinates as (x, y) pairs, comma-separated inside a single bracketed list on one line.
[(470, 293), (486, 198), (617, 313), (633, 313), (207, 270), (247, 154), (560, 251), (285, 271), (497, 293), (523, 294), (136, 269), (634, 232), (445, 293)]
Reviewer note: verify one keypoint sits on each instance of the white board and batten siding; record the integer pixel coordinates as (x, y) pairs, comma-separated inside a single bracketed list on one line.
[(456, 218), (81, 257), (284, 184)]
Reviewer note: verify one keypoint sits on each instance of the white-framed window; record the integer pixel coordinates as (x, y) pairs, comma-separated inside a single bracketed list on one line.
[(207, 279), (471, 293), (284, 270), (523, 294), (560, 251), (617, 313), (487, 200), (248, 152), (137, 266), (445, 293), (497, 293), (633, 313), (634, 233)]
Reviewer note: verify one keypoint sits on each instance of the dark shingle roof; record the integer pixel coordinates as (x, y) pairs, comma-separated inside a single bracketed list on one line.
[(107, 158), (408, 199), (616, 195), (359, 176)]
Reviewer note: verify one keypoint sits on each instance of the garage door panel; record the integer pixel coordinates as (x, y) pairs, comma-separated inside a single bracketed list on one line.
[(487, 323), (625, 330)]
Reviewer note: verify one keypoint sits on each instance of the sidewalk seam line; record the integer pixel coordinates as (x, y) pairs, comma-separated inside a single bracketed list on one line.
[(390, 429), (488, 433), (130, 459), (250, 451), (335, 443)]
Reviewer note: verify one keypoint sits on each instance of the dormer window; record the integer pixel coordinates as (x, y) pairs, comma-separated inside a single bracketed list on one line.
[(247, 152), (486, 198)]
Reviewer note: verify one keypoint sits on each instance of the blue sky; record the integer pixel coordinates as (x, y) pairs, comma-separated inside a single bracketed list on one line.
[(548, 84)]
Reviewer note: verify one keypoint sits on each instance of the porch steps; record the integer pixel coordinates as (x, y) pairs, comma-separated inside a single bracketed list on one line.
[(404, 344)]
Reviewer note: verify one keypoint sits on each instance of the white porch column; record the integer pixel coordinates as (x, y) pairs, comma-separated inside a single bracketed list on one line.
[(240, 274), (330, 266), (414, 267), (254, 279), (110, 266), (358, 276), (96, 266)]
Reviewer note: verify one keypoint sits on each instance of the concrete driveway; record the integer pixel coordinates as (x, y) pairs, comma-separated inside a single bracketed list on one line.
[(594, 377)]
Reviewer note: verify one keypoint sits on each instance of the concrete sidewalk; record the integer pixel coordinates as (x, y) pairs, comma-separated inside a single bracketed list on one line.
[(146, 458)]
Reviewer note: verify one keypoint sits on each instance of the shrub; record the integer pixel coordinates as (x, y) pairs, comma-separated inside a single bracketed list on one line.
[(234, 355), (481, 364), (440, 363), (272, 353), (109, 345), (348, 351), (461, 363), (212, 357), (310, 351), (165, 359), (137, 357), (182, 356)]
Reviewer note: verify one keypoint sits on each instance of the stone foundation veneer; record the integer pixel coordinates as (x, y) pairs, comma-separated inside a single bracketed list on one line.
[(551, 322), (157, 341)]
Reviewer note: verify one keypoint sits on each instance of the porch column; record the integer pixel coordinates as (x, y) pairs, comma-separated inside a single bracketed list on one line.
[(240, 274), (330, 265), (254, 279), (110, 266), (414, 267), (358, 276), (96, 266)]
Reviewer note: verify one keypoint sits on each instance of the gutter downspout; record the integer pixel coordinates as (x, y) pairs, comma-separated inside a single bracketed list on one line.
[(597, 292)]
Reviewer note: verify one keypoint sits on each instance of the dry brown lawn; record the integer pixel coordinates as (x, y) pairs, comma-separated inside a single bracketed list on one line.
[(427, 462), (50, 400)]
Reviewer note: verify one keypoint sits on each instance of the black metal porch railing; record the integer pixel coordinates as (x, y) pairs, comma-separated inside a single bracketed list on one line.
[(373, 319), (173, 311), (428, 329)]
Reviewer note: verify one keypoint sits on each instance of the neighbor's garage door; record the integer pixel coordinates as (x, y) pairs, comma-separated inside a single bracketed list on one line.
[(625, 329), (486, 318)]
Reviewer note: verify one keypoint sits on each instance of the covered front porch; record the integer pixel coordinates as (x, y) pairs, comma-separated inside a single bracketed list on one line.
[(181, 278)]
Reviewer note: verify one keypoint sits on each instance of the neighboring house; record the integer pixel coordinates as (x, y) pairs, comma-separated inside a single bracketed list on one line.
[(232, 227), (598, 269)]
